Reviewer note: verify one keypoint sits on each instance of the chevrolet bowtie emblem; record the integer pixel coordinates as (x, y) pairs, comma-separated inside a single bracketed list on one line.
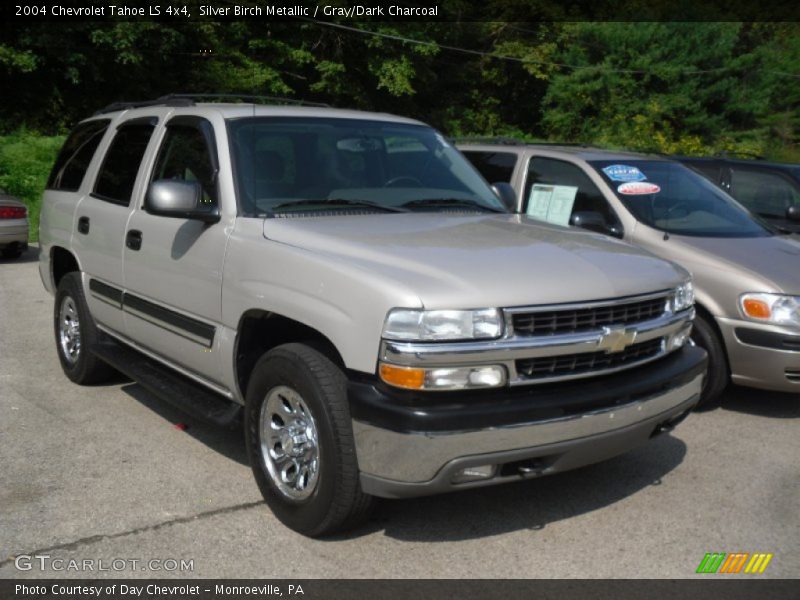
[(616, 339)]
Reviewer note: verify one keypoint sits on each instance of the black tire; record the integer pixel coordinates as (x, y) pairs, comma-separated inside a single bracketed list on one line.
[(14, 252), (716, 380), (336, 501), (84, 368)]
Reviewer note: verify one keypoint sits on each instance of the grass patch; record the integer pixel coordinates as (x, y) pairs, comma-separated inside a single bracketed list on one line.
[(25, 162)]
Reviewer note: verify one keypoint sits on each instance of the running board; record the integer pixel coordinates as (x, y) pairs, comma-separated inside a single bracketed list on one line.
[(170, 386)]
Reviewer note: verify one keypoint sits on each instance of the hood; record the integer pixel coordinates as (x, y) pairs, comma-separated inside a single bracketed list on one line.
[(460, 261), (775, 259)]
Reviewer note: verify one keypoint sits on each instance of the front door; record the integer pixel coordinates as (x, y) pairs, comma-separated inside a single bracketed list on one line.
[(173, 266)]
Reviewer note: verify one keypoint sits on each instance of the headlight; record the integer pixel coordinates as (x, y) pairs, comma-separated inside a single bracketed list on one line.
[(771, 308), (435, 325), (683, 297)]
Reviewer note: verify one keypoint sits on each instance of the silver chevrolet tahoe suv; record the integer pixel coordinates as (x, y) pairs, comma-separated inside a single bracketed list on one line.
[(349, 285)]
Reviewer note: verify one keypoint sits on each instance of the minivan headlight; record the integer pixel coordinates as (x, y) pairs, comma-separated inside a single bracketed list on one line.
[(683, 297), (771, 308), (438, 325)]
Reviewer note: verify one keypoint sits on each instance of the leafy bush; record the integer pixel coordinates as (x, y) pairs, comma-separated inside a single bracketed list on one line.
[(25, 162)]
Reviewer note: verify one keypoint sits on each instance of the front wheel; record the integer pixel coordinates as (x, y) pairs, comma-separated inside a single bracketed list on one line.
[(716, 379), (300, 441)]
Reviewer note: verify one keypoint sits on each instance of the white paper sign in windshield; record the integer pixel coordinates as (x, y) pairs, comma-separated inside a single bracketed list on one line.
[(551, 203)]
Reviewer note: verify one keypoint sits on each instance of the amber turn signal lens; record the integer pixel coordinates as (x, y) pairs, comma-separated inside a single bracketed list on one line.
[(757, 309), (404, 377)]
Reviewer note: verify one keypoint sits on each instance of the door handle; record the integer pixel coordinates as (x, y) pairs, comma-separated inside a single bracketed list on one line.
[(83, 225), (133, 239)]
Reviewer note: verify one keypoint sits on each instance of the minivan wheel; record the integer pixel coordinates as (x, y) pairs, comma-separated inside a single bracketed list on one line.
[(300, 441), (76, 334), (718, 376)]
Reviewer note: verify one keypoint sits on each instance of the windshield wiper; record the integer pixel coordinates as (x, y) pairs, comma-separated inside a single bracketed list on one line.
[(338, 203), (450, 202)]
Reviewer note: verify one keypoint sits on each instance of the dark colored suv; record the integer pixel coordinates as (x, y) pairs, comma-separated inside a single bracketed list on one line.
[(769, 189)]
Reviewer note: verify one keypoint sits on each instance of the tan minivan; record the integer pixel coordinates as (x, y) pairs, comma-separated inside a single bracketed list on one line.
[(746, 273)]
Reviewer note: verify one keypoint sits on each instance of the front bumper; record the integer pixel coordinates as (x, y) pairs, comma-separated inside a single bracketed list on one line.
[(762, 356), (412, 444)]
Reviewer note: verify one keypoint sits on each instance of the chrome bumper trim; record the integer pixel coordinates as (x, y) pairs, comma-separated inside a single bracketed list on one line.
[(417, 457)]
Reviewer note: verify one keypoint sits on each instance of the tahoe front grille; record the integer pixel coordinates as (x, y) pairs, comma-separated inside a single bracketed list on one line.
[(586, 362), (576, 320)]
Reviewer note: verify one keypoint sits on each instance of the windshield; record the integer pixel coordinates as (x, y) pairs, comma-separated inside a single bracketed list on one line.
[(287, 164), (675, 199)]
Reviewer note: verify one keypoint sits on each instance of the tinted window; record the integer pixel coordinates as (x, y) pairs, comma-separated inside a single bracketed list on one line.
[(494, 166), (184, 155), (587, 198), (708, 169), (310, 164), (766, 194), (121, 163), (75, 155), (673, 198)]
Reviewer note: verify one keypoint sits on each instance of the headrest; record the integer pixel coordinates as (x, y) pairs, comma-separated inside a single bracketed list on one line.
[(269, 165)]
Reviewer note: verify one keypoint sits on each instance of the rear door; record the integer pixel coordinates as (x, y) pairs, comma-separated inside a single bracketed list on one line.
[(173, 267), (102, 215)]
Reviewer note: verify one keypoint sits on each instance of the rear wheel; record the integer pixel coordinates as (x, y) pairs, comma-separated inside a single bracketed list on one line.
[(716, 379), (300, 441), (76, 334)]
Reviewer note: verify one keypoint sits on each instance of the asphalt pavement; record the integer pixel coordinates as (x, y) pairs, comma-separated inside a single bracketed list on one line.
[(103, 474)]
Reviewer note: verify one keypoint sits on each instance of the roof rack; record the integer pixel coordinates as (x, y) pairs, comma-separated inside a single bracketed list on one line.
[(504, 140), (254, 98), (192, 99), (743, 154), (512, 141)]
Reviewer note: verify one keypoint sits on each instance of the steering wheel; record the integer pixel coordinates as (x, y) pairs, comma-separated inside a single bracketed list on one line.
[(675, 207), (395, 180)]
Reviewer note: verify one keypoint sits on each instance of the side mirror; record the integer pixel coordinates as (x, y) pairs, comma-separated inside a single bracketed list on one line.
[(793, 213), (179, 199), (507, 195), (594, 221)]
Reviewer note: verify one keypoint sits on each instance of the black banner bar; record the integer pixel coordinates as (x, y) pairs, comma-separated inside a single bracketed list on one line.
[(734, 588), (344, 12)]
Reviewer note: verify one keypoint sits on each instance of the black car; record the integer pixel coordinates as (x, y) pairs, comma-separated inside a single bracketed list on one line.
[(770, 190)]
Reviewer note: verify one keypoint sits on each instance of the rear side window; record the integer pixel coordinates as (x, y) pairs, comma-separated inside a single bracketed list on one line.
[(75, 155), (121, 164), (766, 194), (494, 166)]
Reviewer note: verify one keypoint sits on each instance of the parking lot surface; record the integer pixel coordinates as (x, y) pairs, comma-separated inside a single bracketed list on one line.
[(103, 473)]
